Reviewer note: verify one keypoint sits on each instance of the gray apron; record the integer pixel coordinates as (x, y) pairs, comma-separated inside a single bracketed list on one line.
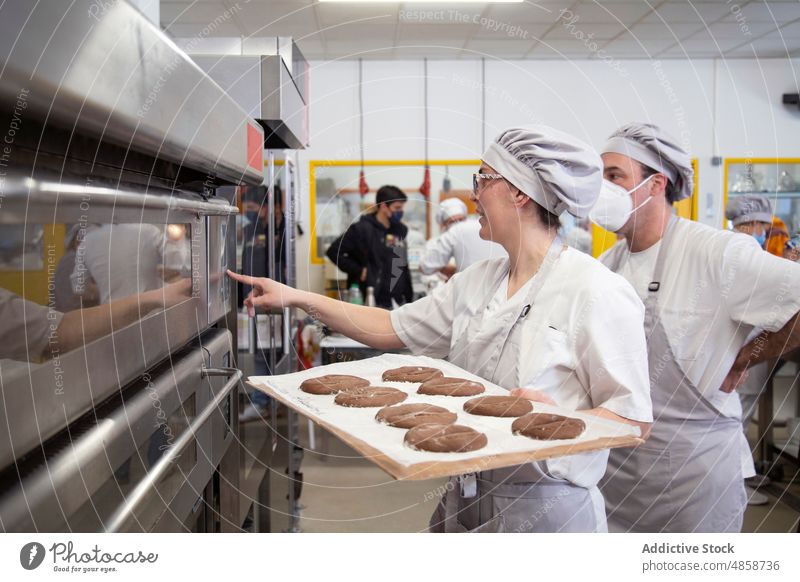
[(687, 477), (524, 498)]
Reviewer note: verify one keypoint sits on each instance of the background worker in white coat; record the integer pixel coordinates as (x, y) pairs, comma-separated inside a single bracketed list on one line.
[(548, 322), (751, 214), (705, 290), (459, 242)]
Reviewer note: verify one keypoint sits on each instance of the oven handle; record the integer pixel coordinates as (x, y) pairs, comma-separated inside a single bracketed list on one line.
[(139, 493), (288, 340), (31, 192)]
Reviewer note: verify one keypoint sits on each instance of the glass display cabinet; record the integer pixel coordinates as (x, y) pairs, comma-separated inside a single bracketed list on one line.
[(776, 178)]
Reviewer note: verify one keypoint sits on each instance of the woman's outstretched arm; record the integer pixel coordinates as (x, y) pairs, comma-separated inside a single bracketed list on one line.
[(369, 325)]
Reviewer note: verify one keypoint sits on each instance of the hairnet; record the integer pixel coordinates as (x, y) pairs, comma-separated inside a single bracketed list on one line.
[(650, 145), (748, 208), (450, 208), (557, 170)]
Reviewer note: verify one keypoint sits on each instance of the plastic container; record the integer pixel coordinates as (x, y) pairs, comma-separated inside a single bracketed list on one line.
[(355, 295)]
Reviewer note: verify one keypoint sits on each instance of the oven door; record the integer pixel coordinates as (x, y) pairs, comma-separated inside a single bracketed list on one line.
[(221, 256), (143, 462), (97, 284)]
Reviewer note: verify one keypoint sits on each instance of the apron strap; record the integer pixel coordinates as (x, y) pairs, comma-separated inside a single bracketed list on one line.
[(652, 313), (663, 251), (451, 502), (665, 241)]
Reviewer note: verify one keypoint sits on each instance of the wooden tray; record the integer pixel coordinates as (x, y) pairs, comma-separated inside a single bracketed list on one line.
[(441, 466)]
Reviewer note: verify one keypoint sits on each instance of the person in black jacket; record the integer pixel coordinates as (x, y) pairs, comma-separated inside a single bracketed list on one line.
[(372, 251), (255, 257)]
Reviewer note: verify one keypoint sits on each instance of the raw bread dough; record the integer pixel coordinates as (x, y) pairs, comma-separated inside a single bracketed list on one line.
[(446, 386), (445, 438), (411, 415), (504, 406), (548, 427), (332, 384), (370, 396), (411, 374)]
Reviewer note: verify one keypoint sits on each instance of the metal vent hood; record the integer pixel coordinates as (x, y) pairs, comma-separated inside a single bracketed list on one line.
[(271, 87), (102, 70)]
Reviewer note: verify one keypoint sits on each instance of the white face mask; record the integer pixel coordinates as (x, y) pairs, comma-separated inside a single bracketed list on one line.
[(615, 206)]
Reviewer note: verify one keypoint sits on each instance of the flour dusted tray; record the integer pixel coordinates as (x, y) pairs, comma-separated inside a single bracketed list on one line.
[(384, 446)]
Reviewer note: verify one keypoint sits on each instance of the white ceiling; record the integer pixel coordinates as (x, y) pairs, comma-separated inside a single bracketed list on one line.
[(623, 29)]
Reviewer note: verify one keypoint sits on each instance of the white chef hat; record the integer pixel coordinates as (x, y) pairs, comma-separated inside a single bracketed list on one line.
[(749, 208), (650, 145), (557, 170), (449, 208)]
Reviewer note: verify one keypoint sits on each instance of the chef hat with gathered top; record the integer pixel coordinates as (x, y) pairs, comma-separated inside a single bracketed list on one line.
[(749, 208), (652, 146), (449, 208), (558, 171)]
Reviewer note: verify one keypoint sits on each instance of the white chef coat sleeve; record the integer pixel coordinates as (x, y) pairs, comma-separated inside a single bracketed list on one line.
[(26, 328), (438, 252), (425, 326), (758, 288), (612, 351)]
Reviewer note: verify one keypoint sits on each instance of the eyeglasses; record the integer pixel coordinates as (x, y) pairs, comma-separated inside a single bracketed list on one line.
[(479, 181)]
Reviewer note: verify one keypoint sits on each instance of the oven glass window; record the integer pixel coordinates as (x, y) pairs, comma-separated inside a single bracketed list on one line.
[(127, 475), (65, 285), (22, 247)]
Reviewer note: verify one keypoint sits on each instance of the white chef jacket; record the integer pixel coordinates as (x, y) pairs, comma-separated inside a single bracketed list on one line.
[(462, 243), (716, 287), (583, 341), (123, 259)]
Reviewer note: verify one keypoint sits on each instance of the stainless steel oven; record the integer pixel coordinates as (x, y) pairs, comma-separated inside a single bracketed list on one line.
[(272, 85), (117, 379), (141, 461), (108, 298)]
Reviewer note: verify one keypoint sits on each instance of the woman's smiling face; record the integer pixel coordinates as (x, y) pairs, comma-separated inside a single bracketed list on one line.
[(493, 201)]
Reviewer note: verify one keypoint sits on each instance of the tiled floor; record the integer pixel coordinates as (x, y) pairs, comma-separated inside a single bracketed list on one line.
[(343, 492)]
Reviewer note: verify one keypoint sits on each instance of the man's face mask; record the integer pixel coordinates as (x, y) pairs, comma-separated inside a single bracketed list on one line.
[(614, 207), (396, 217)]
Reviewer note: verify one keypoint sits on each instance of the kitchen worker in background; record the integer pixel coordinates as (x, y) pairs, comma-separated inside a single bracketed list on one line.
[(460, 241), (792, 249), (255, 258), (65, 297), (751, 214), (580, 236), (373, 251), (255, 232), (547, 322), (32, 332), (120, 259), (777, 237), (705, 290)]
